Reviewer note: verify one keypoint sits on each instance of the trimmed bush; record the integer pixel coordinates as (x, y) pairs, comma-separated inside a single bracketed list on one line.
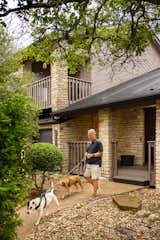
[(44, 157)]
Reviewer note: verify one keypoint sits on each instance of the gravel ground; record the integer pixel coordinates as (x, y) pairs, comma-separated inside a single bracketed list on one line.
[(100, 219)]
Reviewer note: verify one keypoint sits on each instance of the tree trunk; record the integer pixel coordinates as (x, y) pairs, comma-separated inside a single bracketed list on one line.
[(43, 181)]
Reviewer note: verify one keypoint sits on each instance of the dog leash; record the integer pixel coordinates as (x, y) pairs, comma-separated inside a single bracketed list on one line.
[(41, 197), (77, 166)]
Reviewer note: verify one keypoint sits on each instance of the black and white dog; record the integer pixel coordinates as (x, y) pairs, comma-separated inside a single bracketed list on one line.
[(42, 202)]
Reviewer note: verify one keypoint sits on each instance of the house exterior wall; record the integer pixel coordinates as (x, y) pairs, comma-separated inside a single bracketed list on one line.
[(105, 135), (85, 73), (126, 126), (74, 130), (27, 70), (35, 71), (128, 132), (59, 86), (106, 77), (101, 77), (157, 155), (27, 67)]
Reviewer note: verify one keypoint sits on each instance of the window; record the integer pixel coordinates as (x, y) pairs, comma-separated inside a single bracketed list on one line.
[(45, 135)]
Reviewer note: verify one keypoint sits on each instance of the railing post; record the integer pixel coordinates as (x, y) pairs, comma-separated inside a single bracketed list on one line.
[(40, 91), (78, 89), (77, 150), (114, 158), (149, 160), (151, 144)]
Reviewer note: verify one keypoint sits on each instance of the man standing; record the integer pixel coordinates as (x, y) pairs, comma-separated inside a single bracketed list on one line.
[(93, 154)]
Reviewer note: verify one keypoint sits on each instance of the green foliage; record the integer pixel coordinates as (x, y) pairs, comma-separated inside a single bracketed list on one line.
[(44, 157), (111, 30), (17, 125)]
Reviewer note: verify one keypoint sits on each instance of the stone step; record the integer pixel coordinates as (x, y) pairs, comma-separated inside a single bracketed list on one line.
[(131, 180)]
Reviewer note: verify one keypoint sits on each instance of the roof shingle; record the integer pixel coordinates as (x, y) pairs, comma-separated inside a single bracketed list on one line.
[(144, 86)]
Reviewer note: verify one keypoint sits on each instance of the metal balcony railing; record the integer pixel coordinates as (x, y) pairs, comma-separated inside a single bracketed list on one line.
[(76, 154), (40, 91), (78, 89)]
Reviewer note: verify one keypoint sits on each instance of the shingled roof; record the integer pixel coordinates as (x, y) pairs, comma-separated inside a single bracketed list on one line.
[(142, 87)]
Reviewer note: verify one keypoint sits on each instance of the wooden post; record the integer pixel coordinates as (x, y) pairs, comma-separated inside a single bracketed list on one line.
[(114, 158), (149, 160), (151, 144)]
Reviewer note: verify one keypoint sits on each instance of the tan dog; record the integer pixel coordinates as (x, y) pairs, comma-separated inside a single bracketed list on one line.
[(70, 181)]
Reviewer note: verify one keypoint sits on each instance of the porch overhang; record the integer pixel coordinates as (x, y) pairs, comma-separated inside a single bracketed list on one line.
[(145, 88)]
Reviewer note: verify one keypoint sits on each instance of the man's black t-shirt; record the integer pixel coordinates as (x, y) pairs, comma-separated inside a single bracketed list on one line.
[(95, 146)]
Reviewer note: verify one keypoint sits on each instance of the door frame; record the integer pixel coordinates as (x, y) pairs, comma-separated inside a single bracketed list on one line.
[(148, 140), (150, 145)]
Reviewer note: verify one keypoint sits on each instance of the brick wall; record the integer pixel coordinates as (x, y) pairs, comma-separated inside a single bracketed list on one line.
[(59, 86), (27, 67), (105, 135), (157, 160), (27, 70), (128, 131), (74, 130)]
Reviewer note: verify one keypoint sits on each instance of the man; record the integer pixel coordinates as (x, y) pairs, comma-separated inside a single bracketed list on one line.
[(93, 154)]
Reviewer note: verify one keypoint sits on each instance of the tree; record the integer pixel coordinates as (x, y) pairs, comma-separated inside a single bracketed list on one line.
[(79, 29), (17, 125), (44, 157)]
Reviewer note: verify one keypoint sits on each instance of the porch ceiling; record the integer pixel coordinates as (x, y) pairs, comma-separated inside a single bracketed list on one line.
[(145, 86)]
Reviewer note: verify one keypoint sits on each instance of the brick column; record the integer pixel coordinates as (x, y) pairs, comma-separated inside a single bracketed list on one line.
[(105, 135), (157, 160), (59, 86)]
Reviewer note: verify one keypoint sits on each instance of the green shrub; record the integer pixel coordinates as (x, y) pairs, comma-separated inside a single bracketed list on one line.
[(44, 157), (17, 125)]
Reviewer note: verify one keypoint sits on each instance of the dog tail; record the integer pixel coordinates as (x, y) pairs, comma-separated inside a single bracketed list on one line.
[(51, 189), (52, 186)]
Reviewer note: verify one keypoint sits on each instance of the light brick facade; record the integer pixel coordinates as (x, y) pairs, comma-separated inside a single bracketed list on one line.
[(129, 132), (59, 86), (105, 135), (124, 125), (74, 130), (157, 160)]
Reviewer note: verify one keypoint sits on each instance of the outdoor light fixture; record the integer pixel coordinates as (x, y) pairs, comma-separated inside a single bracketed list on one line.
[(44, 65)]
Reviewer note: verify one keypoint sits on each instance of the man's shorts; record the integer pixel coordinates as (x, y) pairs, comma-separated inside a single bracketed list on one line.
[(92, 171)]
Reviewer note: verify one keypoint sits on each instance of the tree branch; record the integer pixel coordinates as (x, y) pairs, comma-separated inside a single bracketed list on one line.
[(155, 2), (39, 5)]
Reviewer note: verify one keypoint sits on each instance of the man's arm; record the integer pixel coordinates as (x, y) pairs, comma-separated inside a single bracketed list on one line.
[(97, 154)]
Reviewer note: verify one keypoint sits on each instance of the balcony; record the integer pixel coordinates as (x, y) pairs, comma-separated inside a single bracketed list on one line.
[(40, 91), (78, 89)]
